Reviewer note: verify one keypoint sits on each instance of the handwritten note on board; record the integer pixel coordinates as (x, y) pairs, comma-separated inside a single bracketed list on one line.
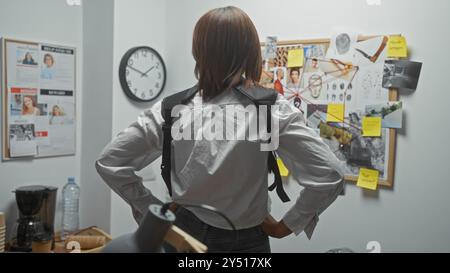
[(371, 126), (296, 57), (368, 179), (335, 113), (397, 47)]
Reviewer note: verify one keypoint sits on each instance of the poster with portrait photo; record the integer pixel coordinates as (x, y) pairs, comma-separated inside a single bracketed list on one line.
[(40, 90), (23, 102), (22, 64), (57, 67), (60, 127), (60, 122), (293, 83)]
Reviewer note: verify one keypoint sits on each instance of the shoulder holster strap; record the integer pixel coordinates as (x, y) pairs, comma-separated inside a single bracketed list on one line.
[(268, 97), (257, 95), (167, 105)]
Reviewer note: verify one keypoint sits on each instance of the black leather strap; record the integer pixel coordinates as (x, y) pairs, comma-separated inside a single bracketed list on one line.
[(166, 155), (277, 183), (264, 96), (166, 111)]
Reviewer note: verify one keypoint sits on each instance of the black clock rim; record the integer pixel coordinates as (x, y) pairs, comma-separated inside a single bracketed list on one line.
[(122, 77)]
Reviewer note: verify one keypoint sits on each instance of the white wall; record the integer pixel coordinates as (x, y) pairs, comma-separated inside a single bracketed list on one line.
[(98, 31), (413, 215), (136, 23), (49, 21)]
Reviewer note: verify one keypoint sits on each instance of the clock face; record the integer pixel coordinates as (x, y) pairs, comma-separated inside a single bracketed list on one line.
[(142, 74)]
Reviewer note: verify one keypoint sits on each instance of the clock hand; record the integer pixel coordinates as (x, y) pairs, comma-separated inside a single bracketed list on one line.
[(132, 68), (146, 72)]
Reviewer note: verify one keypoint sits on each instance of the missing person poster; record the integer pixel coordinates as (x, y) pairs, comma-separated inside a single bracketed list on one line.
[(38, 91)]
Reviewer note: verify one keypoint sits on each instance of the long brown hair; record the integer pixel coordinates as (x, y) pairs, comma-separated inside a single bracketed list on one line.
[(225, 47)]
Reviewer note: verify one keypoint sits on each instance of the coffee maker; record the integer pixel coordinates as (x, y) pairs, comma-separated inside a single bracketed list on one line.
[(36, 206)]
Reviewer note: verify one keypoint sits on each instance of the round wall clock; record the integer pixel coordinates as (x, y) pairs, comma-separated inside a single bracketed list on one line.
[(142, 74)]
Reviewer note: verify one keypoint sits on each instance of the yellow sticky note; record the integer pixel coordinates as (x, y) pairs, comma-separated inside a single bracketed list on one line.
[(371, 126), (397, 47), (283, 170), (335, 113), (296, 57), (368, 179)]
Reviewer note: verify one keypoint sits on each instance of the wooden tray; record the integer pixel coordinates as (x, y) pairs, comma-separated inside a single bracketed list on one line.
[(90, 231)]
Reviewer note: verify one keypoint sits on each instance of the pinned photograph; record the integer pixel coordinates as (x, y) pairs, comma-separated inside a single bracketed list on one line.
[(341, 135), (391, 114), (16, 104), (315, 114), (294, 77), (270, 49), (26, 58), (279, 79), (22, 140), (29, 106), (401, 74), (371, 51), (342, 47), (43, 109), (315, 51), (21, 132)]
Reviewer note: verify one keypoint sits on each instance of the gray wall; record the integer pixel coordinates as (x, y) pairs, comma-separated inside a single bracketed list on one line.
[(98, 28), (44, 21), (136, 22)]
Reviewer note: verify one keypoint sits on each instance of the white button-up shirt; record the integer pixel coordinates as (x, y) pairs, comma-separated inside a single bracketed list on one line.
[(230, 175)]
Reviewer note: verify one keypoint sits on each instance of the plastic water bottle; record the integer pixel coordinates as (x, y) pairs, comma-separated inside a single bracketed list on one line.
[(71, 196)]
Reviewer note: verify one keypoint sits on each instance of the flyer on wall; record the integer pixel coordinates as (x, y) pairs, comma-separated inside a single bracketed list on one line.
[(40, 92)]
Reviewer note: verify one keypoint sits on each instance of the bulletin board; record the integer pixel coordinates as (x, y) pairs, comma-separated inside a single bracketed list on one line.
[(319, 81), (38, 99)]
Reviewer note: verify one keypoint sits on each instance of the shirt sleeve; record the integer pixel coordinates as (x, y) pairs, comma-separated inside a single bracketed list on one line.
[(131, 150), (312, 164)]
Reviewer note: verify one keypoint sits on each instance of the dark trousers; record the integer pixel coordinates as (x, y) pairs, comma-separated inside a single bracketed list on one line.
[(250, 240)]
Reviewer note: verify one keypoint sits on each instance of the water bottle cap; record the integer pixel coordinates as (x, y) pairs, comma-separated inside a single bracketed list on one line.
[(72, 179)]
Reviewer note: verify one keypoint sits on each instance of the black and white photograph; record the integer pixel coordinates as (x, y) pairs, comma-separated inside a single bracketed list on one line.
[(21, 132), (401, 74)]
